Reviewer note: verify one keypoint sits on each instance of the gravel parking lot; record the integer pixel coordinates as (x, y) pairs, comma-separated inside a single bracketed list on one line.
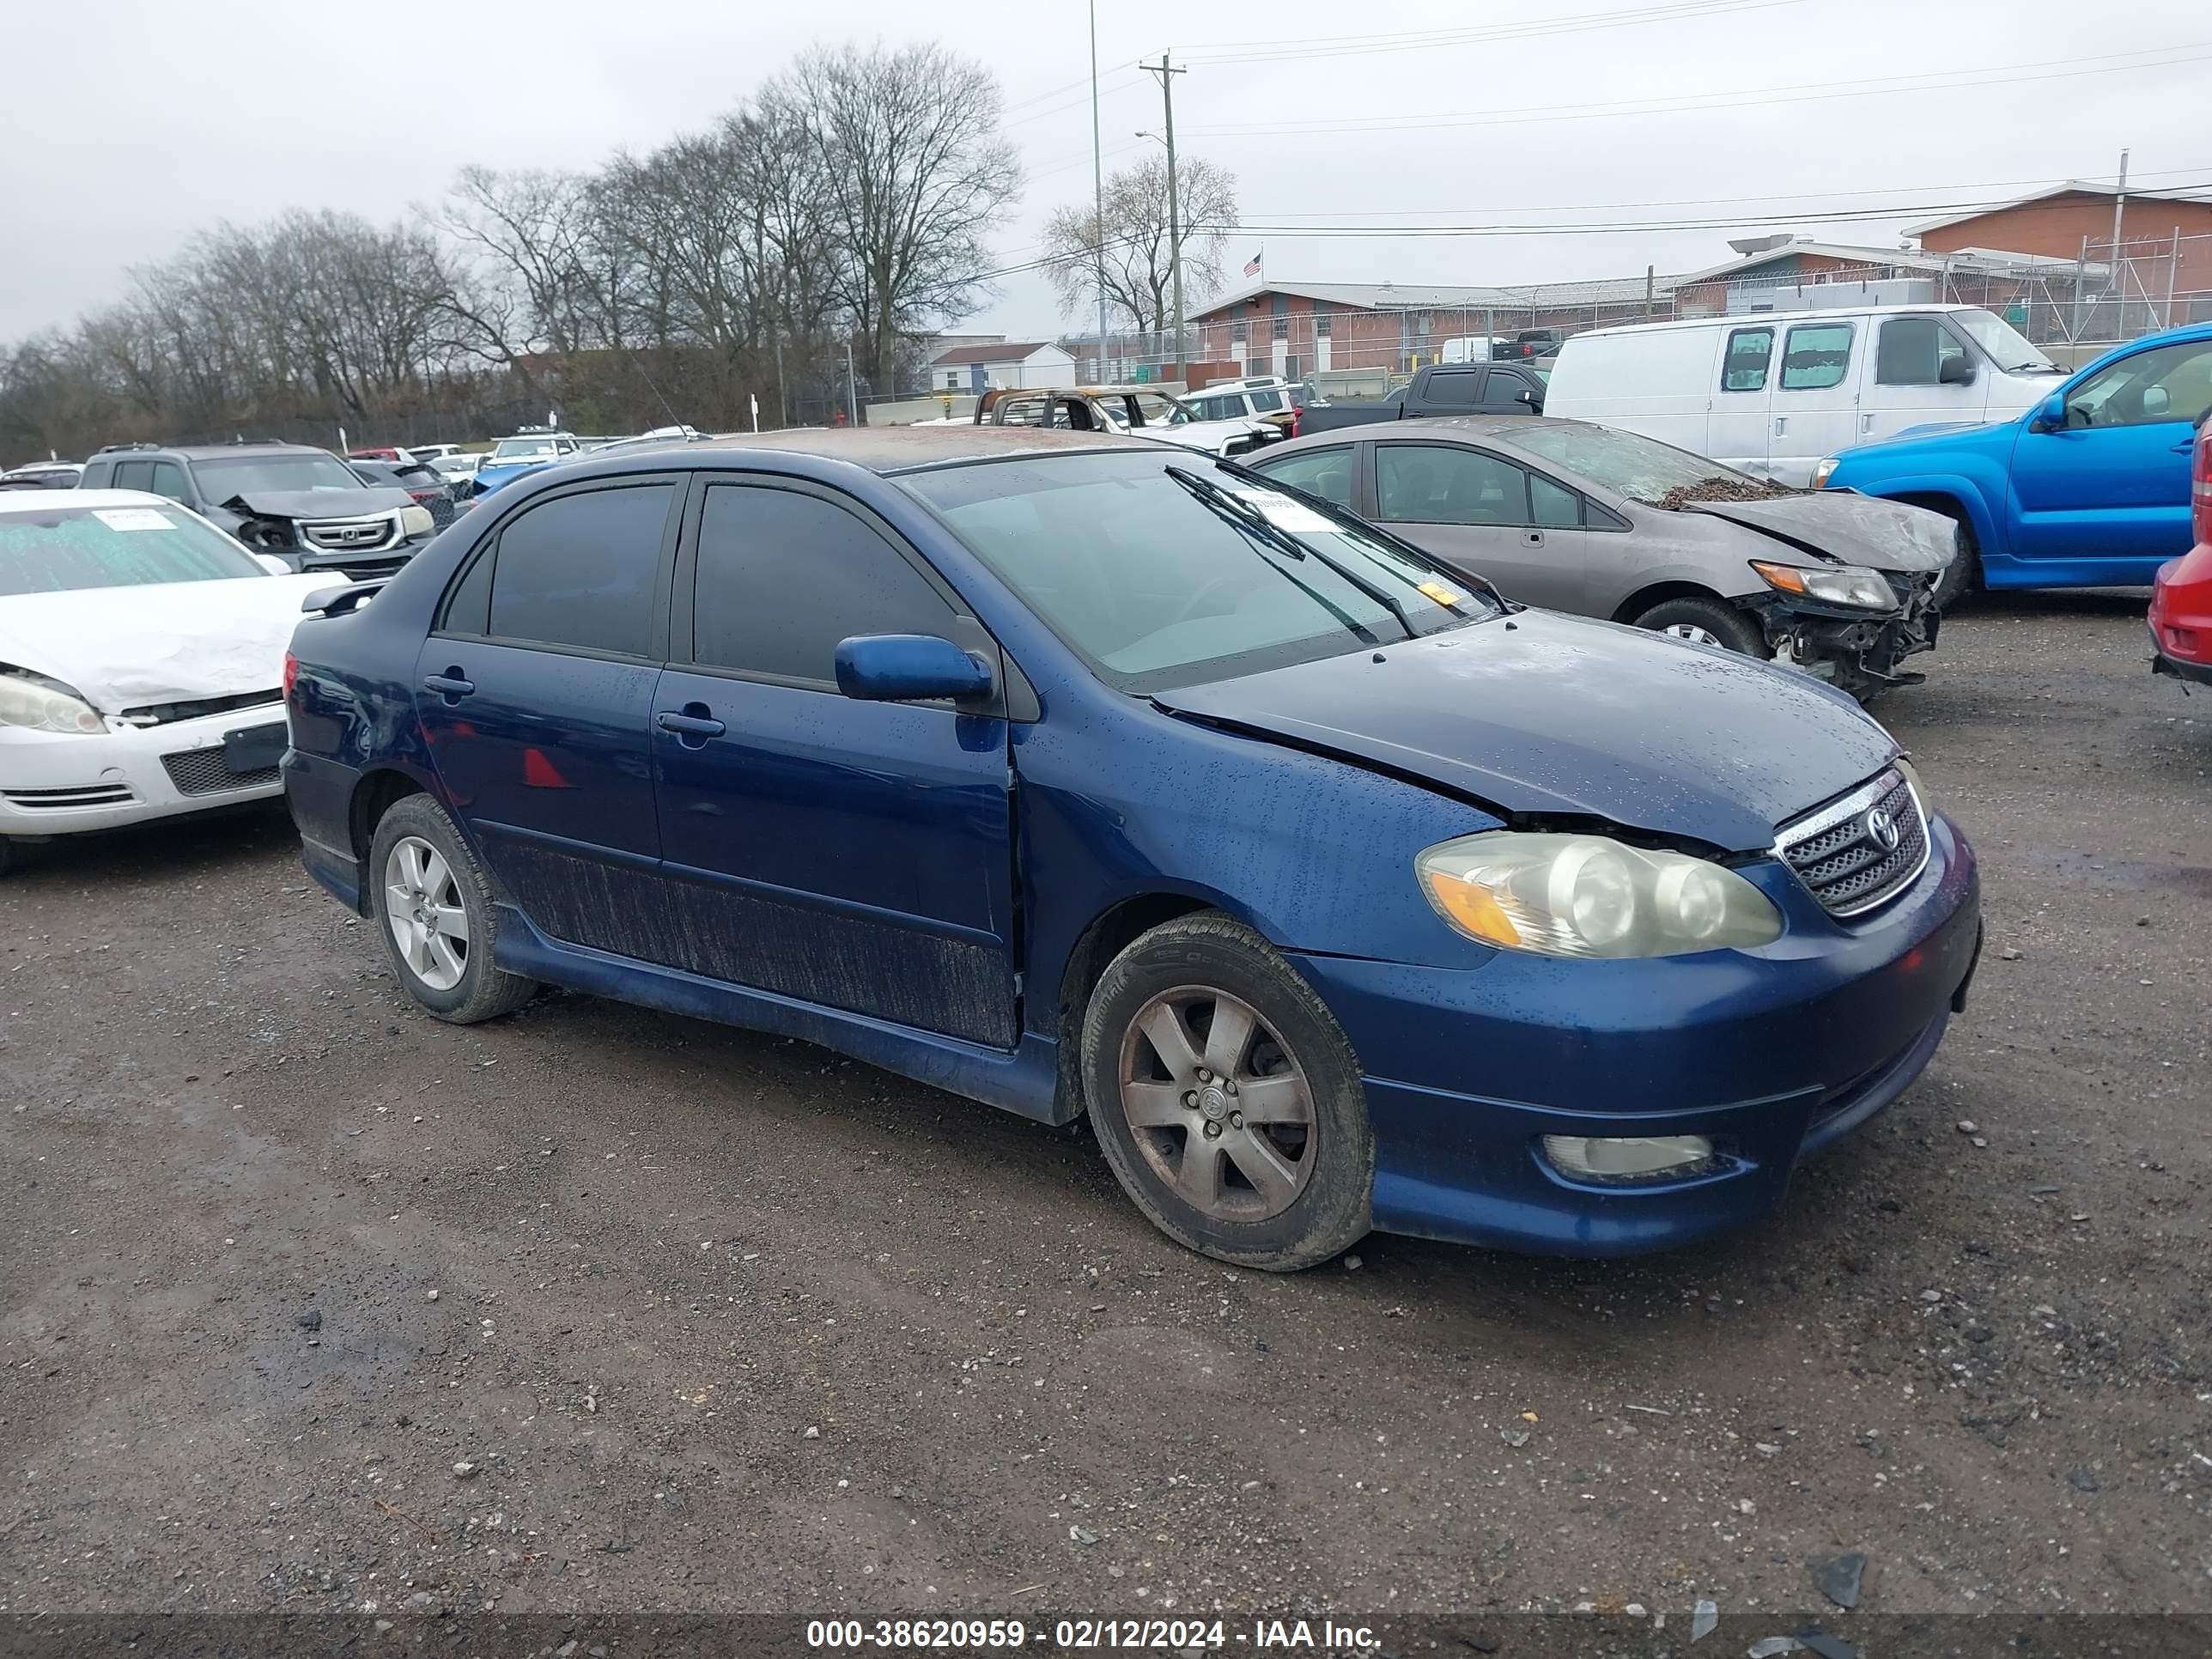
[(311, 1302)]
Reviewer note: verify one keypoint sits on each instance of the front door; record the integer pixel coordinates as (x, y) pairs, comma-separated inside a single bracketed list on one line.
[(1736, 427), (1483, 514), (2111, 489), (535, 693), (1814, 408), (854, 854), (1903, 384)]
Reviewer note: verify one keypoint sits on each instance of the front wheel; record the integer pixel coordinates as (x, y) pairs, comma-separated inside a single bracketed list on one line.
[(433, 909), (1706, 621), (1964, 573), (1226, 1099)]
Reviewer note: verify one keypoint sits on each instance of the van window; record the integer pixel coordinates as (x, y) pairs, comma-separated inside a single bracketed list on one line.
[(1912, 351), (1749, 351), (1818, 355)]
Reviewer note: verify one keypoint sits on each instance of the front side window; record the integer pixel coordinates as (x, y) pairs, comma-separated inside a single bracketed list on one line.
[(581, 570), (1912, 351), (1161, 572), (784, 576), (62, 547), (1436, 483), (1743, 369), (1817, 356), (2166, 383), (1323, 472), (228, 477)]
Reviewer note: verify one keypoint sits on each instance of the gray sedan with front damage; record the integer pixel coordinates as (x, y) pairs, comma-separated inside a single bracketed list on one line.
[(1583, 517)]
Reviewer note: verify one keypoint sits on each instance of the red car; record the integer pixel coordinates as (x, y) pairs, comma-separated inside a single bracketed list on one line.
[(2181, 603)]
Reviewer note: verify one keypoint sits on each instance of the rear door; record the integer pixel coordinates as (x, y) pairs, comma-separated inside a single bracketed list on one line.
[(535, 693), (1736, 429), (1487, 516), (1814, 404), (1447, 391), (858, 855)]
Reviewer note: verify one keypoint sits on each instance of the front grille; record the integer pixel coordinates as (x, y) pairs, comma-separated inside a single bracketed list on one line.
[(162, 713), (1836, 851), (90, 794), (358, 536), (201, 772)]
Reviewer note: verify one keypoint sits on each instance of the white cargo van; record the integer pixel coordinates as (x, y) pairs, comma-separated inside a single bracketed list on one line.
[(1771, 393)]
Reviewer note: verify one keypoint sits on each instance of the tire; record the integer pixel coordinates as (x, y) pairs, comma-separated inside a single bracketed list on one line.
[(1719, 622), (1965, 576), (6, 855), (458, 983), (1277, 1196)]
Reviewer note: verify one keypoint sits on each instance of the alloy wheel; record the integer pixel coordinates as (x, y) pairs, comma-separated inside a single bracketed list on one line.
[(423, 907), (1692, 632), (1218, 1104)]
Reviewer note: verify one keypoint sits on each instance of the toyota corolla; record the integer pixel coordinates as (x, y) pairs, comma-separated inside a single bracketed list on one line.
[(1083, 777)]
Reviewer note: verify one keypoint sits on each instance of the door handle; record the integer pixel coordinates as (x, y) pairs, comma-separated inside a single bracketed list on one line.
[(693, 726), (1781, 424), (1866, 424), (2184, 446), (452, 685)]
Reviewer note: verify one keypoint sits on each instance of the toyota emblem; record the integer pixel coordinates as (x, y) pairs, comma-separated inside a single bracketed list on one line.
[(1881, 830)]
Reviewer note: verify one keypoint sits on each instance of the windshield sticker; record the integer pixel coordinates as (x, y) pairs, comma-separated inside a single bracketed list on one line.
[(1284, 513), (1442, 592), (134, 517)]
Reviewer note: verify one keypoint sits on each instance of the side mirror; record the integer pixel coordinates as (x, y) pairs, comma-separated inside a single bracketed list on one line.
[(272, 564), (908, 668), (2050, 414), (1955, 371)]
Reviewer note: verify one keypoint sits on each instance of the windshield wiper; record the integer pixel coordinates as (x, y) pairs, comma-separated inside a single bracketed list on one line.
[(1229, 502), (1240, 514)]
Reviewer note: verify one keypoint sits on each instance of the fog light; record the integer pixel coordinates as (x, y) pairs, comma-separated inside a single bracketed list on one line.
[(1632, 1157)]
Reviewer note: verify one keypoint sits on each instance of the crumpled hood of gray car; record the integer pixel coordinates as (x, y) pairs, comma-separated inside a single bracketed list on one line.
[(1852, 528)]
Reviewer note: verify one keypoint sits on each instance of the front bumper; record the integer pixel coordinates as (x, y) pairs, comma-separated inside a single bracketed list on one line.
[(1855, 652), (1773, 1054), (61, 784)]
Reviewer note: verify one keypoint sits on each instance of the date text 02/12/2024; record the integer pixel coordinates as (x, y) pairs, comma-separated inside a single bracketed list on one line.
[(1174, 1636)]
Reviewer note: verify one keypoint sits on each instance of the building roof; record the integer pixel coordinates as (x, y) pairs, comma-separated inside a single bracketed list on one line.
[(1450, 297), (2070, 187), (994, 351)]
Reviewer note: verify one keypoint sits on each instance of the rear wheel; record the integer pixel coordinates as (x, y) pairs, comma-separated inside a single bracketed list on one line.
[(434, 911), (1706, 621), (1226, 1099)]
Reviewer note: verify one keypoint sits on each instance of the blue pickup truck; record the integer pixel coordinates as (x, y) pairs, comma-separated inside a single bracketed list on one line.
[(2089, 488)]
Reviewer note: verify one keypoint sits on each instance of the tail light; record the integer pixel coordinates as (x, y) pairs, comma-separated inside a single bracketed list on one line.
[(291, 673), (426, 495), (2200, 488), (1297, 415)]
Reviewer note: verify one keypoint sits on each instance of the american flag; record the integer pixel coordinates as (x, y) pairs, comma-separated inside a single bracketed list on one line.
[(1252, 264)]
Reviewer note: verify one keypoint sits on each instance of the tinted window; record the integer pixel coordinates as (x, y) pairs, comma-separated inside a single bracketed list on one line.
[(1818, 355), (1267, 400), (1554, 507), (1323, 472), (134, 474), (783, 577), (1425, 484), (1744, 368), (579, 570), (1912, 351), (1456, 385), (168, 480), (2167, 383)]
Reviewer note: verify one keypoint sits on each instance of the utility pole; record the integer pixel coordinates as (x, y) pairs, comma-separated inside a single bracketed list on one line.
[(2119, 207), (1099, 191), (1165, 73), (852, 392)]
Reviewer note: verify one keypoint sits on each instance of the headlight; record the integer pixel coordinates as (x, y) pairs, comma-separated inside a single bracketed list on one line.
[(1825, 471), (1912, 776), (416, 521), (1846, 585), (35, 703), (1584, 896)]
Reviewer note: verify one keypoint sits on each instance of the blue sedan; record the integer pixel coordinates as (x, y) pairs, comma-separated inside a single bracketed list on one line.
[(1078, 775)]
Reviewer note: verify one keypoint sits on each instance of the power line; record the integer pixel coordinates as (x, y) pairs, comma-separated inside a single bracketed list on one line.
[(1342, 46)]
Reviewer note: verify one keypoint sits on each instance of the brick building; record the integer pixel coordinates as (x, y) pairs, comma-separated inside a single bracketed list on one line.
[(2054, 224)]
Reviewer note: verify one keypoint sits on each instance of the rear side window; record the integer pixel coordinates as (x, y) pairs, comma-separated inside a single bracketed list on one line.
[(1818, 355), (134, 474), (1456, 385), (783, 576), (1749, 351), (581, 570), (1553, 506)]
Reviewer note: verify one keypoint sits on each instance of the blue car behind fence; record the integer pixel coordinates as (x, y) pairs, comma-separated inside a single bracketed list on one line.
[(2089, 488), (1075, 775)]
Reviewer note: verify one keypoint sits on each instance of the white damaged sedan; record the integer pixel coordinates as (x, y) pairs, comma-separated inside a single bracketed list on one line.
[(142, 657)]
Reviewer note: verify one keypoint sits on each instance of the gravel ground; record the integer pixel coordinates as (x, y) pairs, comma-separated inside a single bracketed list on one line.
[(311, 1302)]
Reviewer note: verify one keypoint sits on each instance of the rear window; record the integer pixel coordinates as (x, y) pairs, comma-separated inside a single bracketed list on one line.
[(225, 477), (60, 548)]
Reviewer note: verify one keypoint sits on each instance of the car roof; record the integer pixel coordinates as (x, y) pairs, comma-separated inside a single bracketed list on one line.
[(32, 501), (1503, 430), (1759, 318), (892, 449), (214, 451)]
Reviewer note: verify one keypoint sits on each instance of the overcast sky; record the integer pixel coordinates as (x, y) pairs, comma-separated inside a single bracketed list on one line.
[(125, 134)]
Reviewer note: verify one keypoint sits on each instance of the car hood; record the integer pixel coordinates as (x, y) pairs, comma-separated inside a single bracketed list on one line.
[(1543, 716), (1853, 529), (165, 642), (320, 504)]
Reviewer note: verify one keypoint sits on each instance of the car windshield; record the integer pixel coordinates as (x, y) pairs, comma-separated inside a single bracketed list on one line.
[(1162, 573), (1643, 468), (224, 479), (518, 449), (2008, 347), (54, 549)]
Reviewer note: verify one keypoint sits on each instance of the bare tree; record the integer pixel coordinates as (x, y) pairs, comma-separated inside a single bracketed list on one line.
[(915, 176), (1139, 263), (530, 233)]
